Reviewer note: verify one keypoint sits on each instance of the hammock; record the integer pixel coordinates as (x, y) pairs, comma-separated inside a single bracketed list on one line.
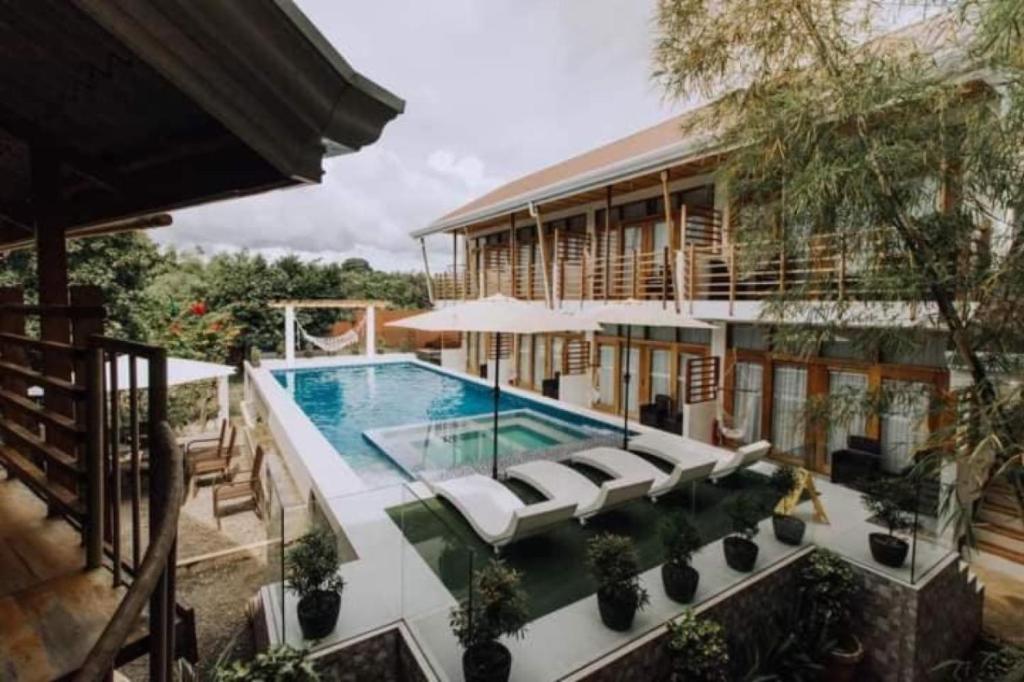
[(334, 344)]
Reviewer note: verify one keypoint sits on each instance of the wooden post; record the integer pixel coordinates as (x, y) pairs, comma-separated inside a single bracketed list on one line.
[(161, 604), (664, 278), (426, 269), (636, 275), (691, 274), (94, 459), (455, 265), (512, 252), (535, 212), (667, 200), (557, 272), (842, 266), (13, 322), (732, 277), (607, 239)]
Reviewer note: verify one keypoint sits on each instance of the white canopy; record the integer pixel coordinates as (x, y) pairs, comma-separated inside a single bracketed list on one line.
[(497, 314), (642, 314), (179, 371)]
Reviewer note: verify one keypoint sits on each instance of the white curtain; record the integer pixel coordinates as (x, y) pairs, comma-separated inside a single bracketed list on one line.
[(748, 386), (606, 375), (525, 343), (661, 373), (847, 391), (539, 357), (634, 376), (789, 395), (904, 422), (556, 355)]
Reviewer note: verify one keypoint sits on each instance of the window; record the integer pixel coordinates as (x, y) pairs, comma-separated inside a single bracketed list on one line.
[(749, 337), (539, 361), (606, 375), (556, 356), (748, 388), (848, 416), (661, 372), (789, 395), (904, 422), (524, 370), (634, 376)]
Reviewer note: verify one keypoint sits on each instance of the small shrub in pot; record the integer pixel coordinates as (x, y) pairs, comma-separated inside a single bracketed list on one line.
[(312, 573), (697, 649), (281, 664), (498, 609), (888, 499), (681, 540), (788, 529), (829, 590), (740, 548), (614, 562)]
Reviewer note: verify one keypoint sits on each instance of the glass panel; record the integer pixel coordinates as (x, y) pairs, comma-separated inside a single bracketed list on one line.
[(789, 393), (631, 239), (661, 373), (556, 355), (606, 375), (749, 337), (904, 422), (524, 370), (747, 393), (847, 392), (660, 236), (539, 361)]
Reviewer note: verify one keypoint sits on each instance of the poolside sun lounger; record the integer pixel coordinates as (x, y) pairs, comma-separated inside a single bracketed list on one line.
[(496, 514), (621, 464), (677, 450), (560, 483)]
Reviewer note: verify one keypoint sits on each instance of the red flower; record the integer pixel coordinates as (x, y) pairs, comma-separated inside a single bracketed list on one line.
[(198, 308)]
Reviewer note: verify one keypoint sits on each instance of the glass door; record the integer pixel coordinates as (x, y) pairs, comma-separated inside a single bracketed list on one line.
[(556, 356), (606, 375), (847, 392), (661, 373), (748, 390), (904, 422), (539, 361), (524, 370), (634, 379), (789, 396)]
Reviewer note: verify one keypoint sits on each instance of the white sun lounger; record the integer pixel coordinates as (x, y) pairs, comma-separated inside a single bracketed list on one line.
[(560, 483), (496, 514), (677, 450), (621, 464)]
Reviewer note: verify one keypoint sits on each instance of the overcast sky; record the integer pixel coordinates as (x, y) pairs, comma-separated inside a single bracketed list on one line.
[(494, 89)]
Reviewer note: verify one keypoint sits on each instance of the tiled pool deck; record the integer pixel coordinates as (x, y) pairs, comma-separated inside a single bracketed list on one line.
[(390, 582)]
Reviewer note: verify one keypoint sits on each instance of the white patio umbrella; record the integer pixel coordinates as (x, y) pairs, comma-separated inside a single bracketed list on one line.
[(634, 313), (497, 315)]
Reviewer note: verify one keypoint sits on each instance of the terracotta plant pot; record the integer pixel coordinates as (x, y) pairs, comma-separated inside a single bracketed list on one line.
[(680, 582), (318, 614), (888, 550), (617, 609), (740, 553), (788, 529), (844, 660), (487, 662)]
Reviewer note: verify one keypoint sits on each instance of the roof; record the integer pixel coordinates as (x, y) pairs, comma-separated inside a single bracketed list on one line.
[(152, 105), (677, 140)]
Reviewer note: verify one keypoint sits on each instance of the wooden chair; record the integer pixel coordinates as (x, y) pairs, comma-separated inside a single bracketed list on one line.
[(228, 498), (204, 443), (210, 463)]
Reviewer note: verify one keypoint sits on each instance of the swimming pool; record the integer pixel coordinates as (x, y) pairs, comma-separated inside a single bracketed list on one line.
[(345, 401)]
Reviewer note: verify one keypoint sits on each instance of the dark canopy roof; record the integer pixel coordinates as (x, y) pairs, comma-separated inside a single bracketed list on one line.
[(128, 107)]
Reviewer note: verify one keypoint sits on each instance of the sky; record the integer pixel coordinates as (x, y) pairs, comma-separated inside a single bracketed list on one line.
[(494, 89)]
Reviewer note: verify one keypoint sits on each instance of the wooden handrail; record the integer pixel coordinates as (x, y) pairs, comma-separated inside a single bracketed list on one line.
[(101, 658)]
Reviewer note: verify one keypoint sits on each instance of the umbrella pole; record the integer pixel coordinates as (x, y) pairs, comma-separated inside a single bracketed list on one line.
[(497, 394), (625, 394)]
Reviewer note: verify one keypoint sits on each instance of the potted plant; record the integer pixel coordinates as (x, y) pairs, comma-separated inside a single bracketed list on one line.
[(681, 540), (312, 573), (828, 590), (788, 529), (740, 548), (281, 664), (888, 500), (495, 608), (615, 564), (697, 649)]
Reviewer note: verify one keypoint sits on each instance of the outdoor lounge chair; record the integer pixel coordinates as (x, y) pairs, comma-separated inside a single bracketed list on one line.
[(210, 463), (742, 458), (677, 450), (496, 514), (234, 495), (560, 483), (621, 464)]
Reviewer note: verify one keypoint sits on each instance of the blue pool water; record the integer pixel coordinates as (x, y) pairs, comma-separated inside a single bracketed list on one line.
[(345, 401)]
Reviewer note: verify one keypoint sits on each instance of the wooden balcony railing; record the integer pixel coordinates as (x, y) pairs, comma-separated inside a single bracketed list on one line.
[(645, 276), (454, 285)]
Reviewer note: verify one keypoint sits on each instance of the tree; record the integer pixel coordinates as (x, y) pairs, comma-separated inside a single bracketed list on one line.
[(896, 154)]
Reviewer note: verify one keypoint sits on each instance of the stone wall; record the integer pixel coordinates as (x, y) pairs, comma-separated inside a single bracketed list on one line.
[(906, 631), (383, 657)]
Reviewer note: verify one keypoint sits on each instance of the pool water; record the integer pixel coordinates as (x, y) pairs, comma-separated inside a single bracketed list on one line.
[(345, 401)]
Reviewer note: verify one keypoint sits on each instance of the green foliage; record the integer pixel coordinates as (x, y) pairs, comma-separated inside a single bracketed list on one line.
[(279, 664), (698, 649), (829, 590), (614, 561), (989, 661), (745, 513), (312, 564), (681, 539), (783, 479), (889, 498), (498, 608)]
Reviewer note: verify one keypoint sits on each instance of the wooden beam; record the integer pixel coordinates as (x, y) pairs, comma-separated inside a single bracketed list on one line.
[(535, 212)]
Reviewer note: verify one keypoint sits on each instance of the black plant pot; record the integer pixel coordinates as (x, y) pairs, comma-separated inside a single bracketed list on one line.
[(888, 550), (740, 553), (487, 662), (788, 529), (617, 608), (318, 614), (680, 582)]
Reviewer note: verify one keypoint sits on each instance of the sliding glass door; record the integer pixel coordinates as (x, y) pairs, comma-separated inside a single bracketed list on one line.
[(904, 422), (847, 393), (748, 391), (606, 375), (661, 372), (789, 397)]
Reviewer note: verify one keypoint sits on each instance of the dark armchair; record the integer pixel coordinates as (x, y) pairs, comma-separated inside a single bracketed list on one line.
[(860, 460), (660, 414)]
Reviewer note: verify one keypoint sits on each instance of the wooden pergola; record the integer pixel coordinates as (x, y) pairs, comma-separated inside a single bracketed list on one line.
[(291, 305)]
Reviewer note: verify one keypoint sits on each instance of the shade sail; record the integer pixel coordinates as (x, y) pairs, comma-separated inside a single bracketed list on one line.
[(179, 371), (497, 314), (642, 314)]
